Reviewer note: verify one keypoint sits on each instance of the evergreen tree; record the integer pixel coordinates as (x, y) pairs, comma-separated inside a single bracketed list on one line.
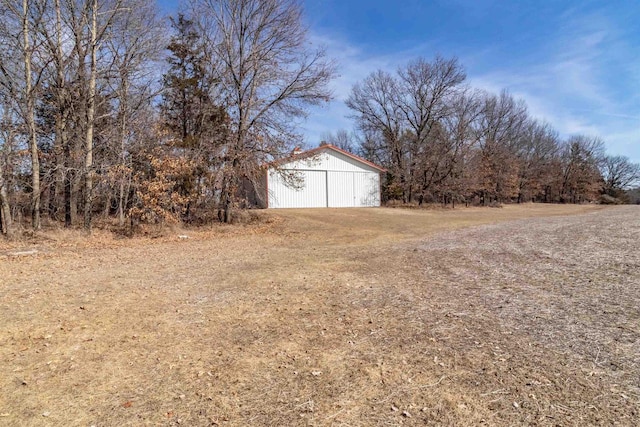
[(195, 123), (190, 115)]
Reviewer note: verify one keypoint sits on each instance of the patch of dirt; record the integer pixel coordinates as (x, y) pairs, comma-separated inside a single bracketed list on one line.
[(331, 317)]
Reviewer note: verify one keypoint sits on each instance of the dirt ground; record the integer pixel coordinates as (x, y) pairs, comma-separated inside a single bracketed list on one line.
[(522, 315)]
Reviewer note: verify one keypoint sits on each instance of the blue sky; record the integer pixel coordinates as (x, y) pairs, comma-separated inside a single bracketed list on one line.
[(575, 63)]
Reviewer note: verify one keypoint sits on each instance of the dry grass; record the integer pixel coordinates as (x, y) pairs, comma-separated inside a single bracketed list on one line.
[(330, 317)]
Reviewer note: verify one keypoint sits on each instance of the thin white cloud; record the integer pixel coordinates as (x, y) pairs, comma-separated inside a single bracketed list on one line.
[(354, 64), (575, 87)]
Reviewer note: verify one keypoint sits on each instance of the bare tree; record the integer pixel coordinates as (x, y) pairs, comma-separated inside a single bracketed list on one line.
[(503, 120), (30, 98), (18, 29), (7, 122), (426, 92), (535, 151), (135, 44), (375, 106), (582, 157), (269, 75), (448, 173), (7, 137), (97, 32), (342, 139), (91, 108), (61, 103), (619, 174), (441, 141), (406, 112)]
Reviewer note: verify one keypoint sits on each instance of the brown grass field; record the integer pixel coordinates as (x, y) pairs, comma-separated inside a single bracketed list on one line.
[(524, 315)]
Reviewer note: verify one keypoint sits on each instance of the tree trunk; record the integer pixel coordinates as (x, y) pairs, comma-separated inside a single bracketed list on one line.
[(69, 177), (125, 190), (6, 223), (121, 204), (5, 210), (88, 163), (56, 191), (31, 124), (123, 145), (227, 210), (226, 195), (224, 214), (61, 122)]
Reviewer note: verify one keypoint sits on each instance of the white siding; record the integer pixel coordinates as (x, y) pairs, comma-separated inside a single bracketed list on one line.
[(340, 186), (353, 189), (311, 194), (328, 179), (366, 187), (331, 161)]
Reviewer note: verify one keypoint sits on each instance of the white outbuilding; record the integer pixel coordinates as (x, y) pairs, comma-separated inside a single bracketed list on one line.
[(323, 177)]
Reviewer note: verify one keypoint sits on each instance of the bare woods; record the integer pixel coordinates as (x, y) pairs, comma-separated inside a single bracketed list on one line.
[(108, 109), (443, 141)]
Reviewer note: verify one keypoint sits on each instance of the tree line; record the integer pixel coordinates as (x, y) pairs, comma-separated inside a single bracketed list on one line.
[(108, 109), (446, 142)]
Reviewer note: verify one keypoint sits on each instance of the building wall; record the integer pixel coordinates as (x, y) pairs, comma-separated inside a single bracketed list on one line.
[(353, 189), (329, 160), (329, 179), (308, 191)]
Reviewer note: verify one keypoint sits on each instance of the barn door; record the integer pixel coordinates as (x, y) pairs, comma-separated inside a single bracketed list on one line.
[(312, 192), (366, 189), (340, 189)]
